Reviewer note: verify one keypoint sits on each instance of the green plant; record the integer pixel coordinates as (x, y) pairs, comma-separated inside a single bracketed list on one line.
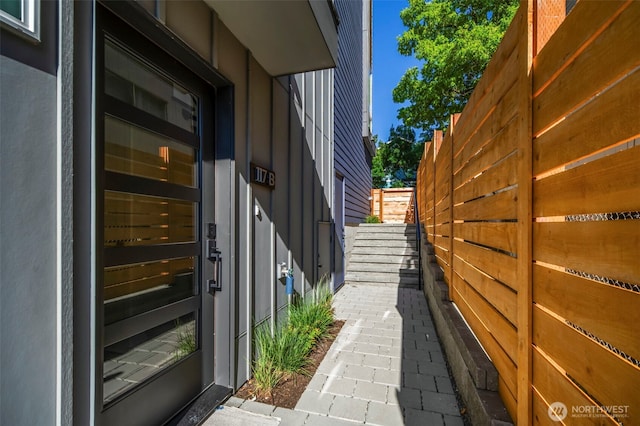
[(312, 316), (186, 340), (286, 349), (291, 351), (372, 219), (454, 41), (282, 352), (265, 375), (322, 291)]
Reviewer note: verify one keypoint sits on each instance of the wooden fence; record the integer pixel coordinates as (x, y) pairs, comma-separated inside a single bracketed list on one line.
[(393, 205), (531, 200)]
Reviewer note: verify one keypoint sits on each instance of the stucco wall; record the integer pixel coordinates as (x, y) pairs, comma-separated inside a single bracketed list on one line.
[(28, 244)]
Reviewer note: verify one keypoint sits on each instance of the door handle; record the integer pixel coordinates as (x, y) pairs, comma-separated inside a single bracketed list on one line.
[(214, 256)]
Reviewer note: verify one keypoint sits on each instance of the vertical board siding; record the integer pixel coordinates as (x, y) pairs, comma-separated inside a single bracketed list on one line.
[(352, 159), (544, 212)]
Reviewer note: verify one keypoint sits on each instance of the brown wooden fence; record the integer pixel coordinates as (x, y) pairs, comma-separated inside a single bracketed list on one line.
[(532, 199), (393, 205)]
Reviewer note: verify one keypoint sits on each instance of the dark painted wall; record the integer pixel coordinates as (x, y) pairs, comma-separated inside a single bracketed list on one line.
[(352, 159)]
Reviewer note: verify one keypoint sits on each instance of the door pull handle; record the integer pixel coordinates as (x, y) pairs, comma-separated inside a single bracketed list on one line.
[(215, 257)]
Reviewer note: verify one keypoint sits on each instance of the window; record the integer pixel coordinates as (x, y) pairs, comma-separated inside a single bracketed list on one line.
[(22, 16)]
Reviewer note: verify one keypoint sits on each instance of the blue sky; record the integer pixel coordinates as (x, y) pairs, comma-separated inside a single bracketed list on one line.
[(388, 64)]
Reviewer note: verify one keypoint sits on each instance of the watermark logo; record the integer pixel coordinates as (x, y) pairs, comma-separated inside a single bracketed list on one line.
[(557, 411)]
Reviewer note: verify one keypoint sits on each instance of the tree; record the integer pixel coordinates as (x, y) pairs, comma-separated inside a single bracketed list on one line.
[(455, 39), (378, 174), (397, 159)]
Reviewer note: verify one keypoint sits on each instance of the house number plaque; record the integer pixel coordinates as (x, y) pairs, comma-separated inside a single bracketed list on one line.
[(262, 176)]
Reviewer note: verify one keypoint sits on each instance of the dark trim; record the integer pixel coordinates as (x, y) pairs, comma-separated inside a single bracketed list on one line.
[(140, 22), (114, 256), (83, 223), (118, 331), (152, 402), (115, 181), (98, 191), (201, 407), (126, 112), (41, 55), (226, 204)]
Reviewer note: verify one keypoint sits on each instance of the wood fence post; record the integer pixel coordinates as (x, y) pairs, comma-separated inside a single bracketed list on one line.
[(381, 200), (437, 141), (372, 202), (524, 211), (452, 122)]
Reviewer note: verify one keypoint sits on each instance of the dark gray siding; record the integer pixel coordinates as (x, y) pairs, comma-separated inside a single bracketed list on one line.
[(29, 202), (351, 157)]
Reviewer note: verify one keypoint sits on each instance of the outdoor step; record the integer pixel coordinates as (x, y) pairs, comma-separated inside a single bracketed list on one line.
[(356, 283), (383, 229), (381, 278), (387, 225), (387, 231), (382, 236), (385, 259), (392, 251), (383, 243), (383, 267)]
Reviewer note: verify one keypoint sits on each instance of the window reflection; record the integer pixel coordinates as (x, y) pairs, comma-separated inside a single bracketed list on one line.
[(135, 151), (132, 289), (136, 359), (130, 80), (135, 220)]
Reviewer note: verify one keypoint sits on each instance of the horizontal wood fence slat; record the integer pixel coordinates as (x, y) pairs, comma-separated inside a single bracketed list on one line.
[(500, 358), (552, 288), (606, 248), (531, 200), (499, 235), (500, 328), (585, 133), (554, 385), (614, 181), (502, 297), (607, 378)]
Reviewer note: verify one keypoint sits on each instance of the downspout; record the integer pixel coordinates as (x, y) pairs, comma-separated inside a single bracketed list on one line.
[(272, 233), (291, 102), (249, 219)]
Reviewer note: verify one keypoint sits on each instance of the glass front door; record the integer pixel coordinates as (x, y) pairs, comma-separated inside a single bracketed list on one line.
[(155, 316)]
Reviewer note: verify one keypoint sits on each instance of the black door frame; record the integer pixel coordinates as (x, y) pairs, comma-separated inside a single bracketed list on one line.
[(86, 403)]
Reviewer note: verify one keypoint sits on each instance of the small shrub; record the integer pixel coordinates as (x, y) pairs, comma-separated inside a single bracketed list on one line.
[(372, 219), (292, 350), (322, 292), (266, 376), (287, 349)]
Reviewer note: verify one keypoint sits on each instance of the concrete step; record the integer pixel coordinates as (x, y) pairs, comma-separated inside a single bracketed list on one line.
[(387, 225), (387, 230), (385, 234), (403, 285), (384, 268), (365, 242), (381, 278), (407, 261), (381, 251)]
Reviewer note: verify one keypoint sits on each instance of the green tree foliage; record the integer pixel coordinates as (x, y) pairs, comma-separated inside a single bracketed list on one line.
[(455, 39), (398, 158)]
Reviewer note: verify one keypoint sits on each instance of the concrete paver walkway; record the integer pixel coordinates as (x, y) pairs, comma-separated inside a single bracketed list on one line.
[(386, 366)]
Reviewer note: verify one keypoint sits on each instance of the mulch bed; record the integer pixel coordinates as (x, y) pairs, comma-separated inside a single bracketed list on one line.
[(289, 390)]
